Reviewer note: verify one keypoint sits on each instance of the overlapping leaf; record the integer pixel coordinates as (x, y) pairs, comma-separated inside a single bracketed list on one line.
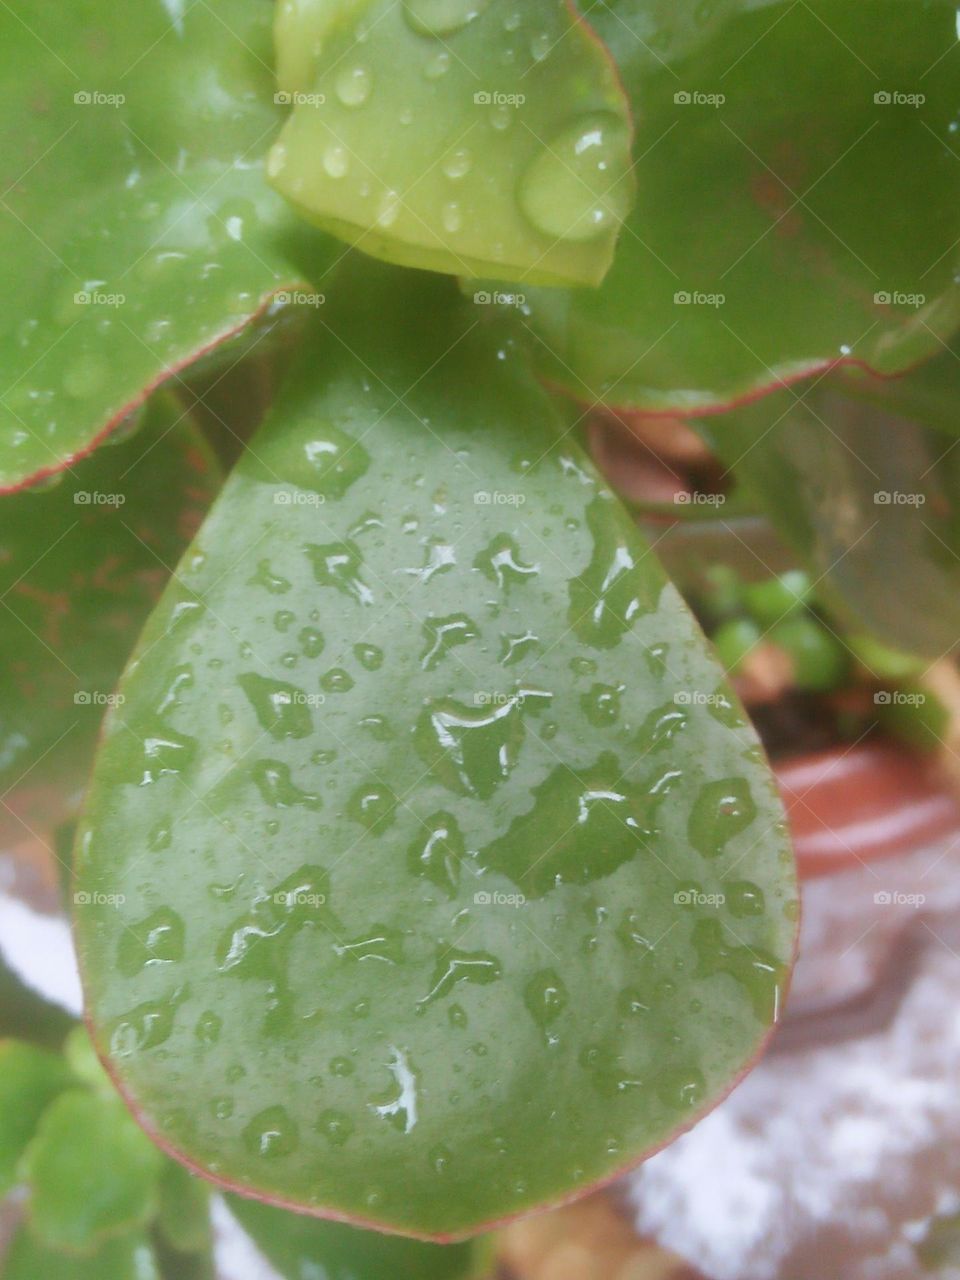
[(867, 497), (81, 564), (466, 136), (798, 174), (429, 873), (136, 230)]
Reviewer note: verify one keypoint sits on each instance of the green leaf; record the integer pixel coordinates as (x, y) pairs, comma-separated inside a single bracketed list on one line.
[(128, 1258), (467, 137), (868, 499), (81, 564), (30, 1079), (184, 1214), (794, 225), (92, 1173), (395, 930), (300, 1247), (82, 1059), (136, 229)]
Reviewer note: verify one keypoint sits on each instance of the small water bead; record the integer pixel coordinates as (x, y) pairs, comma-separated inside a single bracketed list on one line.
[(336, 161), (369, 656), (441, 17), (744, 898), (458, 164), (85, 377), (336, 680), (437, 66), (208, 1028), (276, 160), (353, 86), (335, 1126), (540, 45), (388, 209), (271, 1133), (574, 189), (451, 217), (222, 1108), (500, 117)]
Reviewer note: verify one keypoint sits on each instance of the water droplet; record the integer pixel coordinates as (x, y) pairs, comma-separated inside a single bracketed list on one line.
[(353, 85), (744, 898), (546, 997), (582, 826), (722, 810), (616, 588), (437, 66), (454, 966), (369, 656), (451, 217), (335, 1126), (336, 161), (337, 565), (373, 805), (441, 17), (275, 784), (336, 680), (281, 709), (158, 939), (438, 852), (502, 562), (271, 1133), (601, 704), (208, 1028), (473, 749), (400, 1109), (444, 634), (577, 187), (458, 163)]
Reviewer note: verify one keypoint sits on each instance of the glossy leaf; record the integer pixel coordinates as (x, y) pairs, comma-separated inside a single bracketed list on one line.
[(81, 564), (136, 229), (30, 1079), (470, 138), (128, 1258), (798, 178), (300, 1247), (870, 501), (405, 909), (92, 1173)]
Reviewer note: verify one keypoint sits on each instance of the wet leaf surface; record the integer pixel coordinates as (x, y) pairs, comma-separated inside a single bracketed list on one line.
[(136, 228), (416, 859), (797, 176)]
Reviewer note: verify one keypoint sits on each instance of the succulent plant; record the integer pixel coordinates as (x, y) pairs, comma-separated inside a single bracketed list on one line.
[(429, 870)]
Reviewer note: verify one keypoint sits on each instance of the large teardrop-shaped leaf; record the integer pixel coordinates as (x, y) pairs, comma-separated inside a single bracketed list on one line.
[(453, 881), (798, 176), (460, 135), (300, 1247), (81, 564), (869, 499), (136, 229)]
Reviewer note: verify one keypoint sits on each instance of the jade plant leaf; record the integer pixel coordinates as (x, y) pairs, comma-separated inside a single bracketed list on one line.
[(468, 137), (81, 565), (30, 1079), (136, 229), (455, 880), (869, 499), (299, 1247), (92, 1173), (780, 156), (184, 1214), (129, 1257)]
